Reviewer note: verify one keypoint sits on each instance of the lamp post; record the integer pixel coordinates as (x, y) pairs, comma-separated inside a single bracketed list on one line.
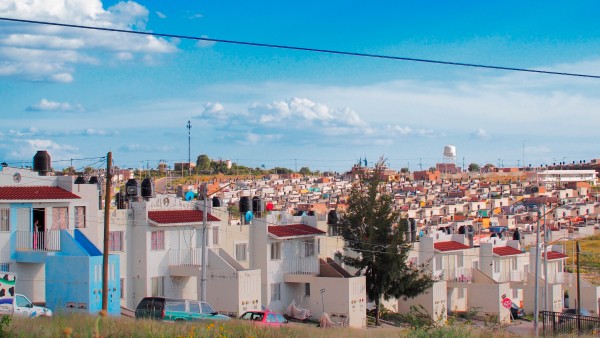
[(322, 299)]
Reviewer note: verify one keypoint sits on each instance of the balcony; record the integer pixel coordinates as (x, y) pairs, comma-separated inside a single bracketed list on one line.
[(510, 276), (185, 257), (301, 266), (39, 241), (462, 275)]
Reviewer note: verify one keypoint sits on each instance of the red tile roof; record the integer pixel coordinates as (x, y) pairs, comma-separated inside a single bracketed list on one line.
[(555, 255), (506, 251), (179, 216), (294, 230), (35, 193), (449, 246)]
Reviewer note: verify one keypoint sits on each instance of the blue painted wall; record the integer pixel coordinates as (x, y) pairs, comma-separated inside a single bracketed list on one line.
[(74, 283)]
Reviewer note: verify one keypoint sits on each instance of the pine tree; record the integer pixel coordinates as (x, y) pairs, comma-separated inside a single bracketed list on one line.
[(377, 244)]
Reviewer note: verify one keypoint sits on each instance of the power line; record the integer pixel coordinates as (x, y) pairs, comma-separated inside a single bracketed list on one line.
[(304, 49)]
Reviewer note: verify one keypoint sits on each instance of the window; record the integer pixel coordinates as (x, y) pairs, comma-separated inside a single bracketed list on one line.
[(5, 267), (461, 293), (334, 230), (515, 293), (276, 251), (460, 261), (309, 248), (240, 252), (175, 305), (122, 286), (438, 262), (115, 241), (60, 218), (514, 263), (215, 231), (206, 308), (271, 318), (80, 217), (496, 267), (4, 219), (158, 286), (158, 240), (195, 307), (307, 289), (275, 291)]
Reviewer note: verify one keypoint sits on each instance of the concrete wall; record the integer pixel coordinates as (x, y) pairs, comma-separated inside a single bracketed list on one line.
[(487, 299), (433, 301)]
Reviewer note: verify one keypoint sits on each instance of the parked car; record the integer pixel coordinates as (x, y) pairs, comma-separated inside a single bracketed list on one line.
[(583, 312), (176, 310), (265, 317), (516, 312)]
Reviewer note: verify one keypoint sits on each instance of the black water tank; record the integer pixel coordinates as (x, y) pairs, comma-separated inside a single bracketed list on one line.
[(245, 204), (332, 217), (413, 230), (256, 204), (147, 188), (80, 180), (93, 180), (216, 202), (42, 162), (131, 187)]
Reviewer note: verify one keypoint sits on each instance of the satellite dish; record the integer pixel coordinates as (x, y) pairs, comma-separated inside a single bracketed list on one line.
[(249, 216), (189, 195)]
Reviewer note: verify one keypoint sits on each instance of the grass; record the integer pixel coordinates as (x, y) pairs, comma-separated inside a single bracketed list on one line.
[(81, 325), (589, 255)]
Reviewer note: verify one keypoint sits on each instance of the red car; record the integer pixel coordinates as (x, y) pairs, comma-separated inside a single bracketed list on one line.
[(265, 317)]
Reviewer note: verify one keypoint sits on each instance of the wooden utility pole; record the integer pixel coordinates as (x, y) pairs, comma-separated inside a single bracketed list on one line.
[(106, 233)]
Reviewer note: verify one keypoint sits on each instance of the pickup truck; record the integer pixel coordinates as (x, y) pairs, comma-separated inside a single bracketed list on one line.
[(12, 303)]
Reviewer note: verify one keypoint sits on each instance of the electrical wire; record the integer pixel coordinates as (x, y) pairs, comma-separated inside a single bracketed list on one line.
[(304, 49)]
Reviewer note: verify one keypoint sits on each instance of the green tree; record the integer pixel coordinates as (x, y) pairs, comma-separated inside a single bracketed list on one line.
[(376, 236), (203, 163), (404, 170), (69, 171), (474, 167), (305, 171)]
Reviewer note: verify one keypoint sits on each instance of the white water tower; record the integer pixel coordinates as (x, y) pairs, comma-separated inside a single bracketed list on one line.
[(449, 154)]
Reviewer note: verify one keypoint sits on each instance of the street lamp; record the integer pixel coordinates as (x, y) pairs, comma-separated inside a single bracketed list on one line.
[(322, 301)]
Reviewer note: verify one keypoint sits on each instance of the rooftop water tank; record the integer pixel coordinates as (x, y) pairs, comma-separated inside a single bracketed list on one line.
[(332, 217), (131, 187), (216, 202), (42, 162), (80, 180), (93, 180), (148, 188), (245, 204), (256, 204)]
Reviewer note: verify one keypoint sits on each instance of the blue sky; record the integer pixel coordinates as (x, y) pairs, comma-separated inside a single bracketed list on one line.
[(80, 94)]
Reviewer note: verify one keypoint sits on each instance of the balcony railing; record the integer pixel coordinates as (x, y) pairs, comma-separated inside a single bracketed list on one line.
[(48, 240), (510, 276), (464, 275), (185, 257), (306, 265), (560, 278)]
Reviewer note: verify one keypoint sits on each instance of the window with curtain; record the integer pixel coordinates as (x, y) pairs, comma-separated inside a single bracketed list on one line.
[(115, 241), (60, 218), (158, 240), (5, 219), (158, 286), (80, 217)]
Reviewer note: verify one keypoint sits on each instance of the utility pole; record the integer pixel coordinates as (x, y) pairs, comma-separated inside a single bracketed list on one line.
[(189, 128), (536, 310), (578, 293), (546, 308), (204, 192), (106, 233)]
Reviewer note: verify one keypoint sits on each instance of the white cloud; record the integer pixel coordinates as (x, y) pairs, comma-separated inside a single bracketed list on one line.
[(48, 53), (196, 16), (20, 133), (161, 15), (205, 43), (399, 129), (46, 105), (480, 134), (28, 147)]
